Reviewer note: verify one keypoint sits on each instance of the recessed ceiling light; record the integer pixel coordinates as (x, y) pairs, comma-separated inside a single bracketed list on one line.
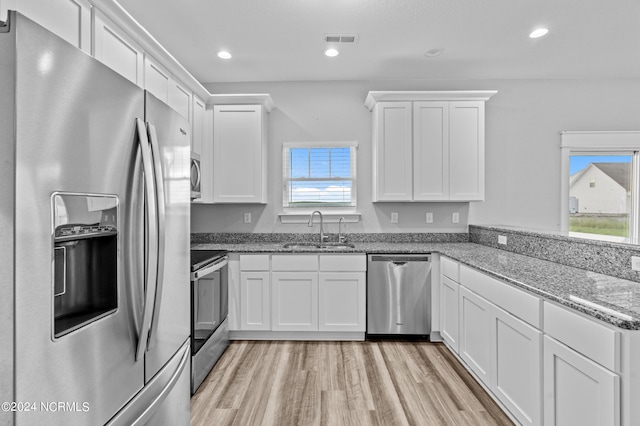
[(223, 54), (539, 32), (433, 52), (331, 52)]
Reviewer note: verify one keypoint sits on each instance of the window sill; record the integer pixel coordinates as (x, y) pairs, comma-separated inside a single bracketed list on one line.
[(327, 217)]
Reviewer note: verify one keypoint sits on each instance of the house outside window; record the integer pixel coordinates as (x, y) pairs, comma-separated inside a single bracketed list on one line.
[(601, 185), (319, 175), (603, 208)]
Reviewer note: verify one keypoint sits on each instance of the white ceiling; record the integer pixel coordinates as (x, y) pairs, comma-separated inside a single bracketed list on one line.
[(282, 40)]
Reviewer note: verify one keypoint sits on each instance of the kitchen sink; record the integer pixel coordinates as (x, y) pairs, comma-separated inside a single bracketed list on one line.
[(317, 246)]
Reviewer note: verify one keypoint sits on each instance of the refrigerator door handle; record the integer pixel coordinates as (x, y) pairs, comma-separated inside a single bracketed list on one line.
[(151, 248), (160, 199)]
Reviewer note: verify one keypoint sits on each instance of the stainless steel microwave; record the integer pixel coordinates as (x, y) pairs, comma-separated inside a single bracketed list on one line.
[(196, 176)]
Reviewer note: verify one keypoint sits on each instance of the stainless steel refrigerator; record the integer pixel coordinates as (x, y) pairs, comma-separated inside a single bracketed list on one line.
[(94, 260)]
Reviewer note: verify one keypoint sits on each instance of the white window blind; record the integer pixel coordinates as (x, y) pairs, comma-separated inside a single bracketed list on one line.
[(319, 174)]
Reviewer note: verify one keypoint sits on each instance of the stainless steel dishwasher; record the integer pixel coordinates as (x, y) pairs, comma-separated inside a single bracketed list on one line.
[(399, 295)]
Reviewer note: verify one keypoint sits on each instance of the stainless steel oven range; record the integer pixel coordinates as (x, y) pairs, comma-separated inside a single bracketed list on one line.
[(209, 308)]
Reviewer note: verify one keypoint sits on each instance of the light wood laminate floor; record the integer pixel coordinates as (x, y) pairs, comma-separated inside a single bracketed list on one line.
[(341, 383)]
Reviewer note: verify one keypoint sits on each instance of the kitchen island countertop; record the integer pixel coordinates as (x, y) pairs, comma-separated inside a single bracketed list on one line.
[(549, 280)]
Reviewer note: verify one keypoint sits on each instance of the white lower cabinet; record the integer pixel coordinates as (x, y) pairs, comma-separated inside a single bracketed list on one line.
[(287, 295), (254, 292), (503, 351), (578, 391), (449, 312), (515, 369), (475, 333), (294, 301), (544, 363), (255, 306), (341, 299)]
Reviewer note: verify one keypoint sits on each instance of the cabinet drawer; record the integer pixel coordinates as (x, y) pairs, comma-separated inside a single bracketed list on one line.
[(517, 302), (449, 268), (343, 262), (254, 262), (593, 340), (294, 262)]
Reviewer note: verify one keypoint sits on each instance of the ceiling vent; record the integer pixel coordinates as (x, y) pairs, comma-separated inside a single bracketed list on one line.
[(341, 38)]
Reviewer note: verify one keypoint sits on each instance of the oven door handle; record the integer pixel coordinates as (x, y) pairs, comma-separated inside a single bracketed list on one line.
[(217, 265)]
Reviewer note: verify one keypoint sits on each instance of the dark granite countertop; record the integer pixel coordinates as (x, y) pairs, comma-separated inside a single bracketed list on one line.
[(549, 280)]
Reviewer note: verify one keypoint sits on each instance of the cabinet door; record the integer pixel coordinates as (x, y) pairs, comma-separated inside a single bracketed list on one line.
[(430, 151), (392, 152), (475, 333), (180, 99), (68, 19), (466, 151), (577, 391), (198, 126), (157, 79), (294, 301), (114, 48), (516, 370), (255, 293), (449, 312), (238, 151), (342, 301)]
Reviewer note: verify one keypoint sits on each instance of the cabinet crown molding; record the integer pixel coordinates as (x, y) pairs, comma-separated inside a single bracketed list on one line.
[(447, 95), (263, 99)]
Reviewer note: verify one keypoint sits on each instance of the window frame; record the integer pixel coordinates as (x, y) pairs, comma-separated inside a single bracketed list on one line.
[(601, 143), (286, 179)]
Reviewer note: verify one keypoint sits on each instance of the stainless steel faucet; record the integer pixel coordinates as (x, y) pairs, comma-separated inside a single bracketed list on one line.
[(341, 238), (311, 224)]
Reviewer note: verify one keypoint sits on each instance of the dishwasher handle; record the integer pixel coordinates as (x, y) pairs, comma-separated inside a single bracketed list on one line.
[(400, 259)]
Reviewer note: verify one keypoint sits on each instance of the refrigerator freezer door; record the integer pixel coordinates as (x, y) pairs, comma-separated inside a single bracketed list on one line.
[(170, 323), (164, 401), (75, 133)]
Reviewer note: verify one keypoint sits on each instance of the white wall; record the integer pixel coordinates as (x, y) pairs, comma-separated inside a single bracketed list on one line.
[(523, 122)]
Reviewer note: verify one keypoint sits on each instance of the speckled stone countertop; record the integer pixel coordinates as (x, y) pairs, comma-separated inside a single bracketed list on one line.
[(548, 279)]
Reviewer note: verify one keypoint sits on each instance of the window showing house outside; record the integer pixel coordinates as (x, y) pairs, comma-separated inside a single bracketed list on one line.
[(600, 195), (319, 175)]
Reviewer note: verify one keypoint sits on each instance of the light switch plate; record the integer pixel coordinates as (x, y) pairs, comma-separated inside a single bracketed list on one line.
[(394, 217), (247, 218), (455, 217), (635, 263), (429, 218)]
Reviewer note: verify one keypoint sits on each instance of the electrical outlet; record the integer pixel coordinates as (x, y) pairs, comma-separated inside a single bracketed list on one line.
[(455, 217), (502, 239), (394, 217), (429, 218), (247, 218), (635, 263)]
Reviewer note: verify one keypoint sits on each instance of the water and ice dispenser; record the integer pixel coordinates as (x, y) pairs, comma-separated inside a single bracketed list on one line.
[(85, 267)]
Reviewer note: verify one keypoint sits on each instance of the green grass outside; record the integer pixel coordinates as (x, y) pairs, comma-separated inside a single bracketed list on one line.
[(616, 226)]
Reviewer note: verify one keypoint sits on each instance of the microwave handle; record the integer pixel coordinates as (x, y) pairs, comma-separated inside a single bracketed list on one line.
[(210, 268), (151, 256), (198, 173)]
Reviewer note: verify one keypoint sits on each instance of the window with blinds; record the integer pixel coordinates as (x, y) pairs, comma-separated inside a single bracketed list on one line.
[(319, 174)]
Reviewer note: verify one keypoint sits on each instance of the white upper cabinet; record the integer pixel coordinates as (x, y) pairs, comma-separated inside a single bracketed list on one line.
[(180, 99), (113, 47), (392, 157), (157, 79), (198, 129), (466, 151), (239, 154), (68, 19), (428, 146), (431, 151)]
